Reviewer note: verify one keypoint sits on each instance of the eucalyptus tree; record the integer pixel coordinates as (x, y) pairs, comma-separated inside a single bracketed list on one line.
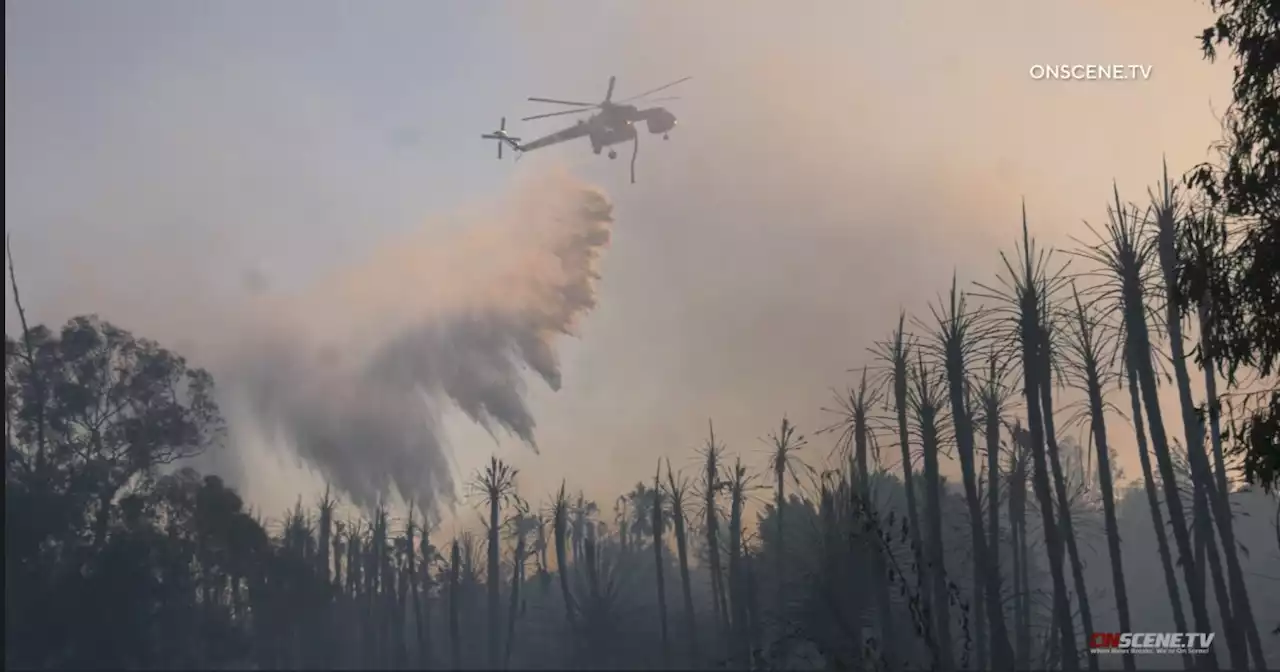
[(1203, 244), (1243, 187)]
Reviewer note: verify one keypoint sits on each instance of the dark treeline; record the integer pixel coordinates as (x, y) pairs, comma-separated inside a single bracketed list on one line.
[(860, 554), (118, 556)]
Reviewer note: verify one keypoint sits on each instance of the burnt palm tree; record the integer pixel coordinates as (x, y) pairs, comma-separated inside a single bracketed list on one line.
[(1124, 256), (896, 352), (522, 524), (658, 525), (854, 441), (1212, 496), (496, 485), (1048, 365), (1089, 347), (1019, 547), (712, 452), (993, 396), (783, 445), (928, 402), (739, 482), (957, 335), (677, 489), (559, 524), (1021, 308)]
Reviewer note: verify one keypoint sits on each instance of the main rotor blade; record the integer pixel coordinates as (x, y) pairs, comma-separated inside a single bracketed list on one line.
[(659, 100), (561, 102), (556, 114), (660, 88)]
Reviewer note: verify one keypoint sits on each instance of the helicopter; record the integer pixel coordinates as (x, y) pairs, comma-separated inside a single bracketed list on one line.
[(612, 123)]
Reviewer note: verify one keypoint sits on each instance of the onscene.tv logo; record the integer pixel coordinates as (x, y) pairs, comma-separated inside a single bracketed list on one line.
[(1151, 642)]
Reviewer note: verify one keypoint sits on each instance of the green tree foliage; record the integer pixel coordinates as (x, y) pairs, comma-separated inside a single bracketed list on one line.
[(1243, 329), (92, 415)]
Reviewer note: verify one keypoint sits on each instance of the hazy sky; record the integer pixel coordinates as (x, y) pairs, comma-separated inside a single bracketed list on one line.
[(832, 164)]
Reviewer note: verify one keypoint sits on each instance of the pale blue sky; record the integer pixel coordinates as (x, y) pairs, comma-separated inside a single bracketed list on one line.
[(369, 97), (832, 164)]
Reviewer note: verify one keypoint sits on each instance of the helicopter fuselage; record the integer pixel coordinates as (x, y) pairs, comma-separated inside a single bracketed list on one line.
[(617, 123)]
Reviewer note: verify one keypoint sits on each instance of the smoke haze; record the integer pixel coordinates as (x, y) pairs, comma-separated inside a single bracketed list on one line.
[(355, 373), (830, 168)]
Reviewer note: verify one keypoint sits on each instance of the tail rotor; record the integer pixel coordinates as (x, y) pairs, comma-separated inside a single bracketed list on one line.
[(502, 137)]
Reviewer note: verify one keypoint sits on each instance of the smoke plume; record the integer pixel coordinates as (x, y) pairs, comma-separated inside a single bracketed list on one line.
[(357, 373)]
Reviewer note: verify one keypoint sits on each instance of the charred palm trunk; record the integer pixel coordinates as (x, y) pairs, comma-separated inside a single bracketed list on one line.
[(1060, 488), (978, 592), (682, 551), (400, 606), (1236, 638), (1204, 310), (1157, 518), (1053, 540), (753, 608), (657, 564), (898, 358), (368, 624), (1029, 309), (495, 617), (1018, 550), (558, 524), (1139, 350), (936, 564), (779, 504), (513, 609), (455, 605), (1209, 495), (884, 605), (955, 324), (737, 585), (711, 486), (1098, 426), (420, 628), (326, 531), (993, 494), (873, 550)]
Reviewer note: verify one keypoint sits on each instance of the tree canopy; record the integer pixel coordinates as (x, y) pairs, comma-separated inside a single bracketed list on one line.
[(1243, 189)]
